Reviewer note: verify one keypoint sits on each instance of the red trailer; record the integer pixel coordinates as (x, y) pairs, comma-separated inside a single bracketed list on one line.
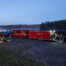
[(20, 33), (43, 35), (15, 33), (24, 33)]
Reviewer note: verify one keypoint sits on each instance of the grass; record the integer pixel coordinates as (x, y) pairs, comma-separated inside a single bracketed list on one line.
[(7, 58)]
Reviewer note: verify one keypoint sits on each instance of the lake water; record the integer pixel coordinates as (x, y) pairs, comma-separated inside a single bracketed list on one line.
[(24, 29), (36, 29)]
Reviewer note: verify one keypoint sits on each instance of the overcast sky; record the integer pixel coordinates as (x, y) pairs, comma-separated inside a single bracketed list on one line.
[(31, 11)]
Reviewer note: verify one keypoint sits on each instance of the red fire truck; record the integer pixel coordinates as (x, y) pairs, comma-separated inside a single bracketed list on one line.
[(15, 33), (43, 35), (24, 33), (20, 33)]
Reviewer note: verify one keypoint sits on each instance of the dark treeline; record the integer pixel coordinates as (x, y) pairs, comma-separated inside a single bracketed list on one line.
[(60, 25)]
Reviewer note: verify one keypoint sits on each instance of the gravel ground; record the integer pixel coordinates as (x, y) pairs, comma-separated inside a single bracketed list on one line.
[(50, 53)]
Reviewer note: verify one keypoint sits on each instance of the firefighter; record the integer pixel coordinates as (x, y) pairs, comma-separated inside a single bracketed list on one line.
[(61, 36), (57, 37)]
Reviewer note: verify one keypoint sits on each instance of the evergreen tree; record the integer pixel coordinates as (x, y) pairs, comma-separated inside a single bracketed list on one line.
[(42, 26)]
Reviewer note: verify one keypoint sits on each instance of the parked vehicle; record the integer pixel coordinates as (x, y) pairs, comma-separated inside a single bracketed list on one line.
[(5, 33), (15, 33), (43, 35), (24, 33), (20, 33)]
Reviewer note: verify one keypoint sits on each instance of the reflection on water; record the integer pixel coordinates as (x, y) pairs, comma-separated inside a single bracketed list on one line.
[(20, 28), (25, 29)]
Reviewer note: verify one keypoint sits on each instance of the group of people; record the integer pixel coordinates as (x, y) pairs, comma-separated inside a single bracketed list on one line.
[(60, 37)]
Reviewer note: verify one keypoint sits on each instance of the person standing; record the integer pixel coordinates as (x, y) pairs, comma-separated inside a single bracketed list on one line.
[(64, 41), (61, 36), (57, 37)]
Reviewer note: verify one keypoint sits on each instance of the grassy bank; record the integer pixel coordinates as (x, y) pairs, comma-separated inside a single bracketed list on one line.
[(7, 58)]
